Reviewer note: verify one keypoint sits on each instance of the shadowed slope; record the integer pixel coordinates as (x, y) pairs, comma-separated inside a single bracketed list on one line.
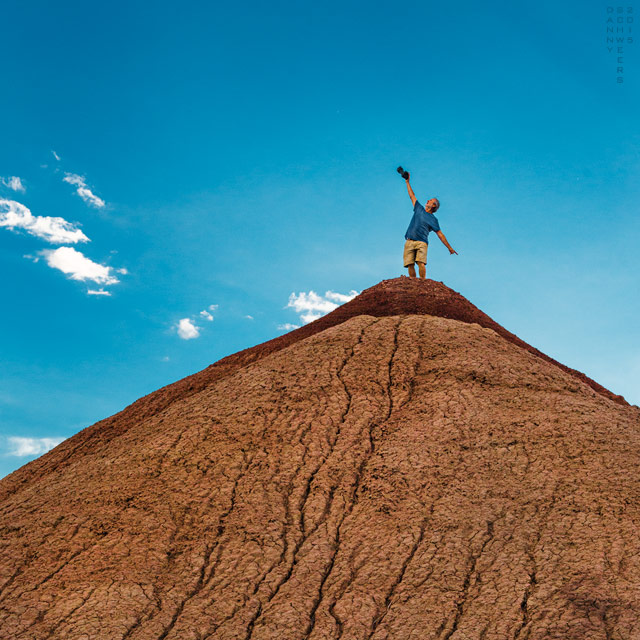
[(387, 478)]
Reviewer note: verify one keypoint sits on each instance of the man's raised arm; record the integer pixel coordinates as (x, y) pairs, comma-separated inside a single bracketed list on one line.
[(446, 243), (410, 190)]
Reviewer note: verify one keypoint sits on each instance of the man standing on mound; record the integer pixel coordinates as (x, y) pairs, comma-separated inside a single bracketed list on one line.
[(417, 242)]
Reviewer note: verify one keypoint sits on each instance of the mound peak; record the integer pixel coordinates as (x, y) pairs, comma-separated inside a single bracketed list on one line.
[(405, 296)]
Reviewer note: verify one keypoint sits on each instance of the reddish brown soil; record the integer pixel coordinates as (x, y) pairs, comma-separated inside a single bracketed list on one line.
[(393, 476), (399, 296)]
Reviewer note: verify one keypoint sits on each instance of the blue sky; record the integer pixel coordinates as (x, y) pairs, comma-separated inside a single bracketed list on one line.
[(215, 157)]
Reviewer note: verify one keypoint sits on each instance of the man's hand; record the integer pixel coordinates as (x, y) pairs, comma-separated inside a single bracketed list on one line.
[(407, 175), (452, 251)]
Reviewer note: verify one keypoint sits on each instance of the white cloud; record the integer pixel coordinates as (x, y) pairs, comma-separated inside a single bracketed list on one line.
[(83, 191), (287, 326), (13, 182), (55, 155), (249, 317), (206, 313), (310, 306), (341, 298), (187, 330), (15, 215), (78, 267), (98, 292), (22, 447)]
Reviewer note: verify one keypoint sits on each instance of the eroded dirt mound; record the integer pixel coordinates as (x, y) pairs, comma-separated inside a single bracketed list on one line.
[(388, 478), (399, 296)]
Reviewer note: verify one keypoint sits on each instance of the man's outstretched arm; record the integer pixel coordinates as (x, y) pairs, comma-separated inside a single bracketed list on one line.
[(445, 242), (410, 190)]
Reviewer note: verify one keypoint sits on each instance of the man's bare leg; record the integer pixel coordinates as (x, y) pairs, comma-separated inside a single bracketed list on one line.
[(412, 270), (422, 268)]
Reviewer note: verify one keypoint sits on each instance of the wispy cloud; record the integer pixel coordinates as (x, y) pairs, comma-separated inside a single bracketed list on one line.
[(14, 215), (55, 155), (187, 330), (13, 182), (249, 317), (98, 292), (310, 306), (287, 326), (206, 313), (83, 191), (78, 267), (22, 447), (341, 298)]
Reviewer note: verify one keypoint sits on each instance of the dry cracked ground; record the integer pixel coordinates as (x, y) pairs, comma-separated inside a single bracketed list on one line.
[(398, 477)]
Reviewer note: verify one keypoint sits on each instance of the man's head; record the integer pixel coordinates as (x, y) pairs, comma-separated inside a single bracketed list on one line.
[(432, 205)]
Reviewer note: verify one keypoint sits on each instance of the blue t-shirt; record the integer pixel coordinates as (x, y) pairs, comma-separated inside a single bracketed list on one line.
[(421, 223)]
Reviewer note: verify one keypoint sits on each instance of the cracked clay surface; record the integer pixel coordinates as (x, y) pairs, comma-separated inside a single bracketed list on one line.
[(395, 477)]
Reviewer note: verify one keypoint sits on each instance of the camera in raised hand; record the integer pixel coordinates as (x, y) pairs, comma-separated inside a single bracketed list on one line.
[(403, 173)]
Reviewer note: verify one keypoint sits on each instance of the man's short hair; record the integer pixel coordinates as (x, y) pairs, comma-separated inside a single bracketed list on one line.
[(437, 203)]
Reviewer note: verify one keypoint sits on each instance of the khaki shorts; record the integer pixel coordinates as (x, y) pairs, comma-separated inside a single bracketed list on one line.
[(415, 251)]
